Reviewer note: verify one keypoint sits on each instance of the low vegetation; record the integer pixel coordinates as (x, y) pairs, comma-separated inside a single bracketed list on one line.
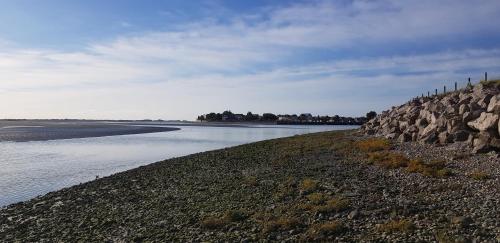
[(479, 175), (333, 205), (393, 226), (213, 223), (320, 230), (436, 168), (388, 159), (282, 223), (309, 185), (373, 145)]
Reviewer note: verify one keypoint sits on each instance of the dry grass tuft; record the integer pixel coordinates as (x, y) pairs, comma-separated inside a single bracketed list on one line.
[(388, 160), (282, 223), (309, 185), (317, 198), (396, 226), (333, 205), (325, 229), (479, 175), (250, 181), (433, 169), (235, 215), (373, 145), (213, 223)]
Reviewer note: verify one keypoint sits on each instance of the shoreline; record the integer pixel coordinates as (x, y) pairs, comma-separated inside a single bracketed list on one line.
[(25, 131), (309, 187)]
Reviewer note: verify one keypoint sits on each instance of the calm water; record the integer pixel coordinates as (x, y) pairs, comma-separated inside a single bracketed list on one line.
[(30, 169)]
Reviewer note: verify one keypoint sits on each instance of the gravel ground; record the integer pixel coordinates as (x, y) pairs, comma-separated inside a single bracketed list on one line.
[(308, 187)]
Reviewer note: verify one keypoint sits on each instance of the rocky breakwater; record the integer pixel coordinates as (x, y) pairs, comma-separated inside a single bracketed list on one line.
[(470, 116)]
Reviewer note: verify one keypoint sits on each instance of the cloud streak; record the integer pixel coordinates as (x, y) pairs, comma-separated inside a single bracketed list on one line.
[(254, 62)]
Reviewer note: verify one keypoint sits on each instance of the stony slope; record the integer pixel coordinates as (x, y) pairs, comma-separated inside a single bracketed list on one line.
[(320, 187), (470, 115)]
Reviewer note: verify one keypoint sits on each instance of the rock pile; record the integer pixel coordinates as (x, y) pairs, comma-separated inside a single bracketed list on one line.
[(470, 115)]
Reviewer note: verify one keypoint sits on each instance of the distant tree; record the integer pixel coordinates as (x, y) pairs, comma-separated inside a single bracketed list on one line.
[(251, 117), (227, 113), (269, 117), (201, 118), (370, 115), (211, 116)]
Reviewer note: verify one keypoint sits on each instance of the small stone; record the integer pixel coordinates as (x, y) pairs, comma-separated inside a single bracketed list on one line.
[(353, 215)]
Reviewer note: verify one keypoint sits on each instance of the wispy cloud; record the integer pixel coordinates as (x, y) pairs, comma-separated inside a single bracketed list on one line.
[(249, 62)]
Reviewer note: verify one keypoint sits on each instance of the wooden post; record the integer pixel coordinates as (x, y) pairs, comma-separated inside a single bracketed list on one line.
[(436, 91), (485, 76), (428, 93), (456, 86), (444, 90)]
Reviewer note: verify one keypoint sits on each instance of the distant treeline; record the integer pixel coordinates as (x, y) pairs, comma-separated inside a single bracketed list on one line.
[(305, 118)]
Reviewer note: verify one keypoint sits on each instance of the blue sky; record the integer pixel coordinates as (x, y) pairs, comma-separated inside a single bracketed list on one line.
[(177, 59)]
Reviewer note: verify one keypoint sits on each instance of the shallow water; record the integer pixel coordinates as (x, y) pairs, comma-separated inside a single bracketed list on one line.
[(29, 169)]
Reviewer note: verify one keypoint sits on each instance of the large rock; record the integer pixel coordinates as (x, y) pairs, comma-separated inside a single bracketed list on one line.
[(463, 108), (427, 131), (445, 138), (460, 136), (485, 101), (484, 122), (494, 106), (469, 116), (481, 144), (404, 137)]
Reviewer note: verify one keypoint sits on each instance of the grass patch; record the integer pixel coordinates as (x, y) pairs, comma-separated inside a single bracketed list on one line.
[(373, 145), (388, 160), (213, 223), (250, 181), (332, 205), (433, 169), (309, 185), (443, 237), (491, 83), (325, 229), (235, 215), (283, 223), (479, 175), (317, 198), (396, 226)]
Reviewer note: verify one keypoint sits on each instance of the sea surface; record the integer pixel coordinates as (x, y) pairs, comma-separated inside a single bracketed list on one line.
[(31, 169)]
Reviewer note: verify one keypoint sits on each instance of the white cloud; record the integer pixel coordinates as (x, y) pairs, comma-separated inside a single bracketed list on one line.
[(245, 64)]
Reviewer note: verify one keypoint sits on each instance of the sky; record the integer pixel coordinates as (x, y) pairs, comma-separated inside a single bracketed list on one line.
[(154, 59)]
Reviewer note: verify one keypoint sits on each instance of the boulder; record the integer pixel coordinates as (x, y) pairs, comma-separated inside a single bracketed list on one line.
[(485, 101), (427, 131), (404, 137), (469, 116), (421, 123), (463, 108), (460, 136), (494, 106), (445, 138), (484, 122), (392, 135), (431, 138), (495, 144), (369, 131), (481, 144)]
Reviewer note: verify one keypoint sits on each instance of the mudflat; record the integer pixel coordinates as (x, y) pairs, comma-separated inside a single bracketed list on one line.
[(33, 130)]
